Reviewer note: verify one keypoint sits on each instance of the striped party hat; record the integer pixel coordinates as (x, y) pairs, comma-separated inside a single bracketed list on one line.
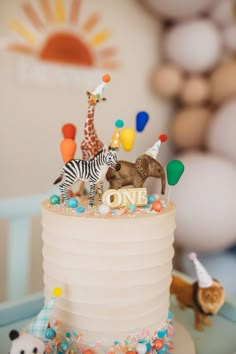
[(39, 325)]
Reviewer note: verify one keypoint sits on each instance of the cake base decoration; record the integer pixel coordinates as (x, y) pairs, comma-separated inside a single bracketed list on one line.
[(45, 340)]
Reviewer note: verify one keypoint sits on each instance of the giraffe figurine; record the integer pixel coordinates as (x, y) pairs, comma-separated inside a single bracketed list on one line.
[(91, 144)]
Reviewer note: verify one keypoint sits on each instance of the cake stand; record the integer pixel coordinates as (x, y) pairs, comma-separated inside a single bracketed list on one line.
[(183, 343)]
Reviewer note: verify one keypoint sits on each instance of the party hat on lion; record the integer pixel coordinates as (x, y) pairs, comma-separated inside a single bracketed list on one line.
[(154, 150), (100, 88), (40, 323), (204, 278)]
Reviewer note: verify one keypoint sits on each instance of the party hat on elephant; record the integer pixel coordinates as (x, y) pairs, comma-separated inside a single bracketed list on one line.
[(115, 141), (204, 278), (154, 150), (100, 88), (40, 323)]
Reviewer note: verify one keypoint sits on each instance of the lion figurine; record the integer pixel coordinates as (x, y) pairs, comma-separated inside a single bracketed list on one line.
[(205, 296)]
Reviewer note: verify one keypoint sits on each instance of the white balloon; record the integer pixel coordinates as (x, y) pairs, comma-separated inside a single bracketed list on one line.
[(205, 199), (223, 12), (194, 46), (221, 135), (229, 37), (219, 265), (179, 8)]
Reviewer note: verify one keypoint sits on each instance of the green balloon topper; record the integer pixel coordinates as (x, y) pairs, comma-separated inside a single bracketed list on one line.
[(174, 169)]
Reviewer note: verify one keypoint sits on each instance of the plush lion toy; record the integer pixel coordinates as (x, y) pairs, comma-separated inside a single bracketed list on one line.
[(205, 296)]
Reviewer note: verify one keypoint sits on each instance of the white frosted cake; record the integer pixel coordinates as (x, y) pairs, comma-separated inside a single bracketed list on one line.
[(115, 271), (107, 261)]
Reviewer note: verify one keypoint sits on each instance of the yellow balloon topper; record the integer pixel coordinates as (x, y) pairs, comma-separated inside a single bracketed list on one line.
[(127, 138)]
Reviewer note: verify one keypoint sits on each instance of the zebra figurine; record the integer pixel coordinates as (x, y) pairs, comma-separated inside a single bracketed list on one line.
[(93, 170)]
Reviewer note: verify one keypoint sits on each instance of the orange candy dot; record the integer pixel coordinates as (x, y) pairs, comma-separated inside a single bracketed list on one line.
[(156, 205), (131, 352), (106, 78), (157, 344), (88, 351)]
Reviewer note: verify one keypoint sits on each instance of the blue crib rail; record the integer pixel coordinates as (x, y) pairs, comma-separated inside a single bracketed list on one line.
[(18, 213)]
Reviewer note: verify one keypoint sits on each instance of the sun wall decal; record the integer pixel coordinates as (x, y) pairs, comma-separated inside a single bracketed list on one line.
[(54, 36)]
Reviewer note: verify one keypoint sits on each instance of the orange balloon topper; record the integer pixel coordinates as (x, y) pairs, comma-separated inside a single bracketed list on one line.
[(68, 145), (69, 131)]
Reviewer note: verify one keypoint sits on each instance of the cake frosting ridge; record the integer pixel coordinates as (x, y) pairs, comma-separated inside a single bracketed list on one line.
[(115, 272)]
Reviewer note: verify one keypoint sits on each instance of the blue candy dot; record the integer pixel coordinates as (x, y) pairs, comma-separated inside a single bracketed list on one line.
[(50, 333), (146, 206), (148, 344), (80, 209), (163, 350), (169, 315), (68, 335), (72, 203), (131, 207), (161, 333), (119, 123), (141, 121), (151, 199), (64, 346), (54, 199)]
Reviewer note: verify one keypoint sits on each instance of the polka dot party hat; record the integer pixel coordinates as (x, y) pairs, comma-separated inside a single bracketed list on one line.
[(154, 150), (39, 325), (204, 278)]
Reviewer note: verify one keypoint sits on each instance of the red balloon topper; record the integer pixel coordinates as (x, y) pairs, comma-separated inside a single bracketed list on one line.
[(69, 131), (163, 138)]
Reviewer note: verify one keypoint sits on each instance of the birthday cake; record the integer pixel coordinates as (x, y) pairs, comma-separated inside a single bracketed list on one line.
[(107, 255)]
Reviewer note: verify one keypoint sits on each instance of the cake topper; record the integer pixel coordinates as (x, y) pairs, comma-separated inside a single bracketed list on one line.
[(93, 170), (141, 120), (127, 138), (32, 341), (136, 173), (205, 296), (174, 170), (68, 144), (91, 144)]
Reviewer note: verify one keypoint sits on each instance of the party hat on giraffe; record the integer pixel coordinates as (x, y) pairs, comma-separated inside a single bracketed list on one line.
[(204, 278), (40, 322), (154, 150), (115, 141), (100, 88)]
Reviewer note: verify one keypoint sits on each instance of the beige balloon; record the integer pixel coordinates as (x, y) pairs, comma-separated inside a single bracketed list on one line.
[(223, 83), (195, 90), (189, 127), (168, 81)]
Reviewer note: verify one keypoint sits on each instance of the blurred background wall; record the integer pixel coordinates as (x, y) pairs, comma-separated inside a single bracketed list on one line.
[(174, 59)]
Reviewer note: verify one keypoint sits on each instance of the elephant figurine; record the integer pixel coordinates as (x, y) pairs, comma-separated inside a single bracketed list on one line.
[(136, 173)]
